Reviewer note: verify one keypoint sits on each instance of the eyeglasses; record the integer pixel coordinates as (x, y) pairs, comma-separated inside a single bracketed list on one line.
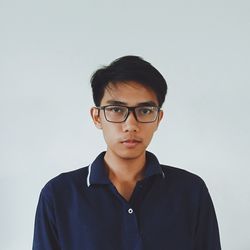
[(119, 114)]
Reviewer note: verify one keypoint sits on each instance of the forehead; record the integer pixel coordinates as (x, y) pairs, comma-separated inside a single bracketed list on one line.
[(128, 93)]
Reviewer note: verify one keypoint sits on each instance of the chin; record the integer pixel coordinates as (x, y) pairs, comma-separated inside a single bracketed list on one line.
[(130, 154)]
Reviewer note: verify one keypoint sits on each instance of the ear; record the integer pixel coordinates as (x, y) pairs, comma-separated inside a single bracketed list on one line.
[(160, 116), (95, 114)]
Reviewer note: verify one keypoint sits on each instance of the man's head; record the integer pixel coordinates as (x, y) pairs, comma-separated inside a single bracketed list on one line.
[(128, 68), (128, 95)]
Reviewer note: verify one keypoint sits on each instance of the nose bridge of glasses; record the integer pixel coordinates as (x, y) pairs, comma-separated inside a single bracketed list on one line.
[(131, 110)]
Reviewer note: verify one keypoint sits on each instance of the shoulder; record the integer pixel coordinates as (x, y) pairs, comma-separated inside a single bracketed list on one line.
[(182, 184), (66, 182), (182, 179), (179, 173), (174, 176)]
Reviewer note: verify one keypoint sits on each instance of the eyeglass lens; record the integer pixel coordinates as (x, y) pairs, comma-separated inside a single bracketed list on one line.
[(120, 113)]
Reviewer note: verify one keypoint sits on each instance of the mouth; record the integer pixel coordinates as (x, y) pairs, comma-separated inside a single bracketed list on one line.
[(131, 143)]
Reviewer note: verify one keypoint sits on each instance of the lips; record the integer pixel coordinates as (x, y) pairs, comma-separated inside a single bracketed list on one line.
[(131, 143)]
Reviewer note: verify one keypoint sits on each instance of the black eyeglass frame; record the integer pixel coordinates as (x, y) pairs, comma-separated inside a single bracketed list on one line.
[(130, 109)]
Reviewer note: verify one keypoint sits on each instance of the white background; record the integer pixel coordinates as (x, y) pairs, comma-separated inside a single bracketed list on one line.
[(48, 51)]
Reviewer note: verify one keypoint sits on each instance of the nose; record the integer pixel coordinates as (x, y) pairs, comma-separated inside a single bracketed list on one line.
[(131, 124)]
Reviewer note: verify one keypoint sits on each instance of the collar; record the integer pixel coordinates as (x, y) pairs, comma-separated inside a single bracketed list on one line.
[(97, 173)]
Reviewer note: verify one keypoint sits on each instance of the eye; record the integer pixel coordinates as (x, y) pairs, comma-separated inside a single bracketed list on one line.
[(115, 109), (146, 110)]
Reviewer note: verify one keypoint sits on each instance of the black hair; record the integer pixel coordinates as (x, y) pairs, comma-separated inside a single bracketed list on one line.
[(128, 68)]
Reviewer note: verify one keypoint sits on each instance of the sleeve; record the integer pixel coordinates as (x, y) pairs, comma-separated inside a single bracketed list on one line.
[(207, 231), (45, 232)]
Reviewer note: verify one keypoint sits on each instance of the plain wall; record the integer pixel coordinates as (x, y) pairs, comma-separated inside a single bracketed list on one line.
[(48, 51)]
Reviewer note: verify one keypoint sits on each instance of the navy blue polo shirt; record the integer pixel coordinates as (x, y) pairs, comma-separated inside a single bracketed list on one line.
[(170, 209)]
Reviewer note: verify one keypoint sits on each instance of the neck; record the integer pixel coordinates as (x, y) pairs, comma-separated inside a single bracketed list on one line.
[(125, 169)]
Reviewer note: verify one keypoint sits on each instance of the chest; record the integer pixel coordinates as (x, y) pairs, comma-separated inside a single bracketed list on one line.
[(104, 219)]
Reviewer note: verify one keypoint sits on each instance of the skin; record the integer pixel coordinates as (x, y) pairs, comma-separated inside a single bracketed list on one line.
[(126, 142)]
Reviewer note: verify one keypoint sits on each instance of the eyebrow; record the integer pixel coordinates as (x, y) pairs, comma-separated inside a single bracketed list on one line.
[(148, 103)]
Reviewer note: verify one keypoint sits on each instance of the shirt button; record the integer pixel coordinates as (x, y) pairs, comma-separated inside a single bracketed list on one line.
[(130, 211)]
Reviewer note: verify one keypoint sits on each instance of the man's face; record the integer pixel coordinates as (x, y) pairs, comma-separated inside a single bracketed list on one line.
[(129, 139)]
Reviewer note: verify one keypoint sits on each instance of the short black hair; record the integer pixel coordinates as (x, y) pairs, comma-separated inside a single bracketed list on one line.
[(128, 68)]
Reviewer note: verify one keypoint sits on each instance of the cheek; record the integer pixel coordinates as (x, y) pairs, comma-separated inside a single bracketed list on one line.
[(109, 132), (150, 132)]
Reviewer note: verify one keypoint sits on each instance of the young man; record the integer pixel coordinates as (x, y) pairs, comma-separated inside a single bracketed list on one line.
[(125, 199)]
